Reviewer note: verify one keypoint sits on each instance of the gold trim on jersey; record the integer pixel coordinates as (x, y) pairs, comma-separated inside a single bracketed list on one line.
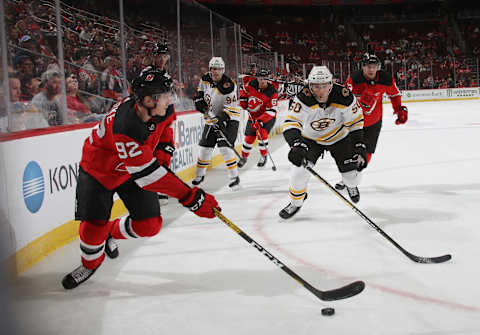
[(289, 125), (291, 121), (331, 136), (209, 121), (233, 109), (352, 123), (290, 117), (232, 112)]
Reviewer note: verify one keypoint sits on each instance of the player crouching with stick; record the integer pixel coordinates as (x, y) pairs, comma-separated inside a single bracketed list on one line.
[(122, 155), (323, 116)]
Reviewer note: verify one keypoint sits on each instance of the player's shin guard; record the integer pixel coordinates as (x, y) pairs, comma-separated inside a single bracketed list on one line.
[(93, 235), (352, 179), (298, 185), (230, 162), (247, 145), (127, 228), (263, 146), (263, 141), (203, 161)]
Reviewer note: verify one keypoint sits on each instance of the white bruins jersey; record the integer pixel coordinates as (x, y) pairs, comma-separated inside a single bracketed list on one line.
[(325, 123), (221, 97)]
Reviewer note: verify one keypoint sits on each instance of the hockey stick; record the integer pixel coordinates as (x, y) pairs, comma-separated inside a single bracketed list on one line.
[(303, 82), (230, 145), (241, 76), (274, 167), (427, 260), (343, 292)]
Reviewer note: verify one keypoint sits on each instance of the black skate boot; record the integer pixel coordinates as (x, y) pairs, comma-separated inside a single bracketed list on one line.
[(262, 161), (234, 183), (290, 210), (340, 186), (241, 162), (354, 194), (198, 180), (76, 277), (111, 247)]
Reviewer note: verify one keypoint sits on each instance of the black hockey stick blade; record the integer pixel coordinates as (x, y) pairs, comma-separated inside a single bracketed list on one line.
[(429, 260), (344, 292), (418, 259)]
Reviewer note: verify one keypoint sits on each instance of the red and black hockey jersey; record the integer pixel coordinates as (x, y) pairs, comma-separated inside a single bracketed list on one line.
[(122, 146), (259, 102), (382, 83)]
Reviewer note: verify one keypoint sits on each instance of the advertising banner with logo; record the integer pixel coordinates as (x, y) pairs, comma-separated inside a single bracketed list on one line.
[(467, 93), (41, 176)]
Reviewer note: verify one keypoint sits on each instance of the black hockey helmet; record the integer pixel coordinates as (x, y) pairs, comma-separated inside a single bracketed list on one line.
[(160, 48), (151, 82), (263, 73), (369, 58), (253, 65)]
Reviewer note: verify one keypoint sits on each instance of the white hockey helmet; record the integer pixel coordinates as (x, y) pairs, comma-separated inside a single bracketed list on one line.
[(320, 75), (216, 62)]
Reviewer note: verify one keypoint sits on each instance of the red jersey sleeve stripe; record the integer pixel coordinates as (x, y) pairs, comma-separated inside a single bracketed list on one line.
[(137, 169), (152, 177)]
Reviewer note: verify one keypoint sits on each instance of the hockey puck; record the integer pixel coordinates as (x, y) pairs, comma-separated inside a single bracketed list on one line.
[(328, 311)]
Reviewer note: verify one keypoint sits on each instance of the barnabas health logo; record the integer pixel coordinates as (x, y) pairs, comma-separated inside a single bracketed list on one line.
[(33, 186)]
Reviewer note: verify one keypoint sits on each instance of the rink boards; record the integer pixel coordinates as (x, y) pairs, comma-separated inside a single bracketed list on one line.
[(39, 171), (38, 175)]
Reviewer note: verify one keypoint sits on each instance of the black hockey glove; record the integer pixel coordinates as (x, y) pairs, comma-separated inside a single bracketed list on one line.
[(167, 147), (219, 121), (298, 152), (200, 104), (360, 155)]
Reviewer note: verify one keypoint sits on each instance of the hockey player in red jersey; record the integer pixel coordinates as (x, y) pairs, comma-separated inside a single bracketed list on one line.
[(123, 155), (258, 98), (250, 76), (368, 85)]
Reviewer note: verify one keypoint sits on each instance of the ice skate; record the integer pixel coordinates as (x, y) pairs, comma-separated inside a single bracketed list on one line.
[(290, 210), (198, 180), (241, 162), (340, 186), (262, 161), (234, 184), (354, 194), (111, 247), (76, 277)]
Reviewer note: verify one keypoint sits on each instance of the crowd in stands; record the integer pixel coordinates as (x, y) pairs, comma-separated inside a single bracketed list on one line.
[(92, 64), (422, 48), (418, 44)]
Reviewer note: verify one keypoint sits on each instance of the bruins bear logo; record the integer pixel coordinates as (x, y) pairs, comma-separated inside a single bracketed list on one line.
[(322, 124)]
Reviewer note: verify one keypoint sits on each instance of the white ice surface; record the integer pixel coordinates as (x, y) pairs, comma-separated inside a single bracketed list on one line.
[(199, 277)]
